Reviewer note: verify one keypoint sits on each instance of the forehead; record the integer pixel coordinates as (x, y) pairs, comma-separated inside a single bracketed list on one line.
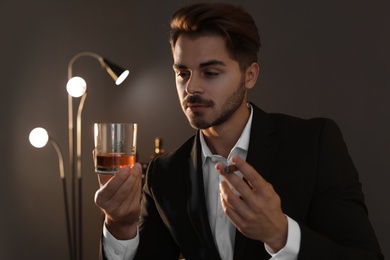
[(192, 51)]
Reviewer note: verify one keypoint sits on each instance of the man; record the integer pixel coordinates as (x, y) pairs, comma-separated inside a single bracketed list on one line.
[(290, 190)]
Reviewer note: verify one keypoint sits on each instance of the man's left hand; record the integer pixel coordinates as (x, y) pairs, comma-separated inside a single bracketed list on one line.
[(256, 212)]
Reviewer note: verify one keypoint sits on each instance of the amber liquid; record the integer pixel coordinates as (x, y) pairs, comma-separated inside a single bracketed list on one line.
[(112, 162)]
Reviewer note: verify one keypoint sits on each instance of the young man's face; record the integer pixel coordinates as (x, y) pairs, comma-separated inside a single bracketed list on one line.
[(209, 82)]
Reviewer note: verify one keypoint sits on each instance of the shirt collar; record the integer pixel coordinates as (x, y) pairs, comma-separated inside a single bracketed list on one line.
[(242, 143)]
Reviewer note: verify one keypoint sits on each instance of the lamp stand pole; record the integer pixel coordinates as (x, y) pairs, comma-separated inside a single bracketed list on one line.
[(79, 175), (65, 192), (118, 75), (76, 176)]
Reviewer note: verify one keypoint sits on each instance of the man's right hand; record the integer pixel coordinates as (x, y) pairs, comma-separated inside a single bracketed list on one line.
[(119, 197)]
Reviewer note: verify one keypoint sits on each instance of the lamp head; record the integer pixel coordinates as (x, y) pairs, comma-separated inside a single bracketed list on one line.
[(117, 73), (76, 86), (38, 137)]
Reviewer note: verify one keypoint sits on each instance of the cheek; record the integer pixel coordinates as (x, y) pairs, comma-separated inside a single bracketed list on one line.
[(180, 86), (180, 92)]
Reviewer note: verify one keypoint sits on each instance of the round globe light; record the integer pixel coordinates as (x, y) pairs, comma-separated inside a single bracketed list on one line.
[(76, 86), (38, 137)]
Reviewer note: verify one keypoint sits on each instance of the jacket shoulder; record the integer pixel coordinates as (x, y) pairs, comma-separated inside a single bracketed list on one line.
[(171, 162), (292, 124)]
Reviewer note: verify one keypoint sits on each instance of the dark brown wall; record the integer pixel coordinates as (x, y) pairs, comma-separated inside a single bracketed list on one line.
[(318, 58)]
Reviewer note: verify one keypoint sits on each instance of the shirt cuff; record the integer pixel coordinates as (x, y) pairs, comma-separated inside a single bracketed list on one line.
[(291, 249), (116, 249)]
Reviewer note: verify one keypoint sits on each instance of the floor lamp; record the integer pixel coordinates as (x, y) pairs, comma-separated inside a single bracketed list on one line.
[(39, 138), (77, 87)]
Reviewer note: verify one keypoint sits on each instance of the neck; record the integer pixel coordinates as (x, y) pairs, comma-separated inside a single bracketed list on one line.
[(222, 138)]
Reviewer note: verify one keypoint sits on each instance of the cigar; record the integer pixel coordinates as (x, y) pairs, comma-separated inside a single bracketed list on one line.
[(230, 169)]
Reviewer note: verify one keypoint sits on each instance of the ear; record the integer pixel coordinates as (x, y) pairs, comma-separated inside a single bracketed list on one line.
[(251, 75)]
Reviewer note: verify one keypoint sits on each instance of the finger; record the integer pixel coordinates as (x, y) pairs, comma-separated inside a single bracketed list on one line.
[(115, 181), (254, 179), (109, 185), (231, 204), (126, 187), (122, 189), (239, 184), (128, 181), (116, 185), (227, 195), (128, 196)]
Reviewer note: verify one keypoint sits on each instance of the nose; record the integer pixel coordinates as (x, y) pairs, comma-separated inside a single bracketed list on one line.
[(194, 85)]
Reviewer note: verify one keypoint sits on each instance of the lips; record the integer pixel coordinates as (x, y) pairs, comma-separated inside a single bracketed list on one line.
[(196, 107), (191, 105)]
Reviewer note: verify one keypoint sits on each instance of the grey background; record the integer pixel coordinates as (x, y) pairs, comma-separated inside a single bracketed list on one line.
[(318, 58)]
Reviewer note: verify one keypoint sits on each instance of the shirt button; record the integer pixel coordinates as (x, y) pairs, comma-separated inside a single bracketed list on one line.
[(221, 215), (116, 252)]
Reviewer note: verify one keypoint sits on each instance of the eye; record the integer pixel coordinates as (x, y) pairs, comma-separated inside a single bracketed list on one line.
[(183, 74), (210, 74)]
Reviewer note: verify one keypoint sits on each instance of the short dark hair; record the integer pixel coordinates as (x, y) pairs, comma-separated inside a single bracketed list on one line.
[(233, 23)]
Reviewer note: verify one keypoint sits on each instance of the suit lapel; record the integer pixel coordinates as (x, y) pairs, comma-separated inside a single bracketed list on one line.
[(261, 153), (195, 195), (262, 145)]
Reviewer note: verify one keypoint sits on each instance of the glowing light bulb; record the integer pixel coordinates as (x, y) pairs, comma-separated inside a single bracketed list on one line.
[(122, 77), (76, 86), (38, 137)]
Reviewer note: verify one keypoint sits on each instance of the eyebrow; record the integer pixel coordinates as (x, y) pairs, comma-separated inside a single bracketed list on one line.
[(202, 65)]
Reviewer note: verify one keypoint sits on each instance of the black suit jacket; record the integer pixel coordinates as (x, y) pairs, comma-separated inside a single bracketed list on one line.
[(307, 163)]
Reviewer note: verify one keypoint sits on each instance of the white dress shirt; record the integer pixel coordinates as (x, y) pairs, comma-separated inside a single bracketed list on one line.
[(222, 229)]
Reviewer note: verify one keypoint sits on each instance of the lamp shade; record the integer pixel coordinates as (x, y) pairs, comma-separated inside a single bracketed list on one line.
[(117, 73)]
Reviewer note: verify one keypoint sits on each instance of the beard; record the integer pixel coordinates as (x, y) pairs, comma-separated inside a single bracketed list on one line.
[(232, 103)]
